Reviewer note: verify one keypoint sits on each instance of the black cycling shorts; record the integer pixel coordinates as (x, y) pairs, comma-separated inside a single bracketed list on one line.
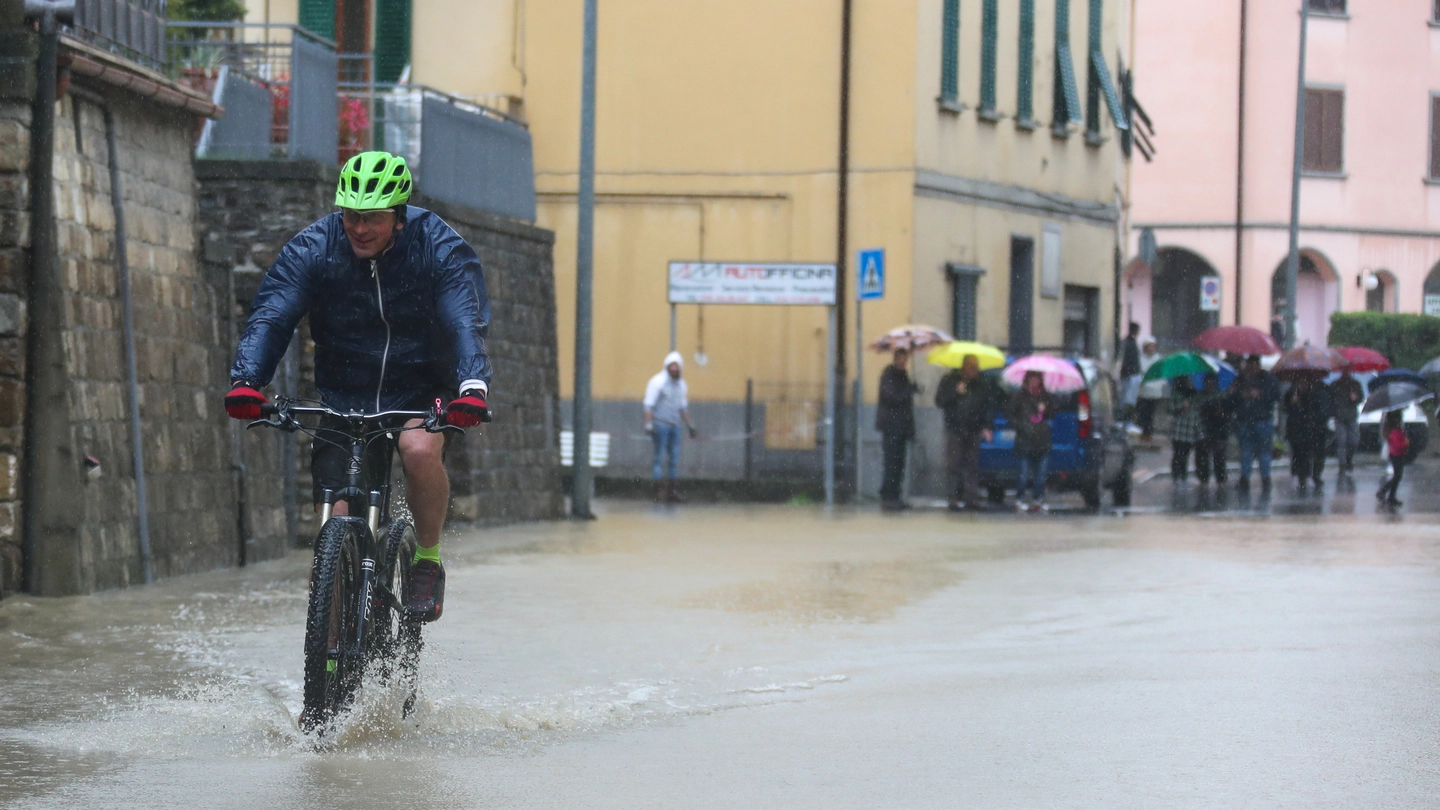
[(330, 453)]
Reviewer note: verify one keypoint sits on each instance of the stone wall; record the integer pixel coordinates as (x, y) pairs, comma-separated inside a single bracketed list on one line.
[(180, 356), (17, 85), (506, 471)]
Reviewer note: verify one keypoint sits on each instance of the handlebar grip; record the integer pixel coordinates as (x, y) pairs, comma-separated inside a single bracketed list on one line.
[(269, 409)]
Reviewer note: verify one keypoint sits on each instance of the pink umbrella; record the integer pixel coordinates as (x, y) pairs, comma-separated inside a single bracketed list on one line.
[(1061, 376)]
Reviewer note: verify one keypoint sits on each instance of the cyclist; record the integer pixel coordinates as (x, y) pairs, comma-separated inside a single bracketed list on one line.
[(398, 313)]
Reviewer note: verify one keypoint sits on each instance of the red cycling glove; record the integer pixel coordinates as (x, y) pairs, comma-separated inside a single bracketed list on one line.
[(243, 402), (467, 411)]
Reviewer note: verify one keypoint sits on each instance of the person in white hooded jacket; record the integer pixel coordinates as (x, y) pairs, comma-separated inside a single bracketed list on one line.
[(667, 405)]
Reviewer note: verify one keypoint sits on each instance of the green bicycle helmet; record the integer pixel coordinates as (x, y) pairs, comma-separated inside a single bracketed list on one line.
[(373, 181)]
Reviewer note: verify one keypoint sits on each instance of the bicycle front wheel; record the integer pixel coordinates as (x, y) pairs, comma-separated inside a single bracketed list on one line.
[(332, 667)]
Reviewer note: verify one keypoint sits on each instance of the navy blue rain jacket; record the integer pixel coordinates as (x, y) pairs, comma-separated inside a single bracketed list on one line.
[(388, 332)]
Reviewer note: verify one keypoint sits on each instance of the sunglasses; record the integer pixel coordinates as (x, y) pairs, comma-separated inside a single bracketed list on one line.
[(368, 218)]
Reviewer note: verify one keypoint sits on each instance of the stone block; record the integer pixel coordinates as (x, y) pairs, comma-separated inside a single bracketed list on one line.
[(14, 228), (14, 147)]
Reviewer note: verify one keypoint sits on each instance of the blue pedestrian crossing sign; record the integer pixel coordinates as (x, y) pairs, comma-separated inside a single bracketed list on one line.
[(872, 275)]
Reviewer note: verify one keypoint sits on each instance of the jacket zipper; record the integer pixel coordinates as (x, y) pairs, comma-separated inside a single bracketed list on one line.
[(384, 356)]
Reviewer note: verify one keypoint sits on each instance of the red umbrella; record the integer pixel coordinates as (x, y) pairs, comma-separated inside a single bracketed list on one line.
[(1235, 340), (1363, 359), (1309, 361)]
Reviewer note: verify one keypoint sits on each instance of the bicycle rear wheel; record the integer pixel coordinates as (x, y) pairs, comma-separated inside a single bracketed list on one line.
[(332, 667), (400, 629)]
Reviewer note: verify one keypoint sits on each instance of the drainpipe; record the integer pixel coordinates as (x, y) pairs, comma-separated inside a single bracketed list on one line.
[(132, 377), (47, 491), (1240, 172)]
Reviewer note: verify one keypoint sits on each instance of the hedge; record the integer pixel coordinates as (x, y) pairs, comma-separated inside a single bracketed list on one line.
[(1408, 340)]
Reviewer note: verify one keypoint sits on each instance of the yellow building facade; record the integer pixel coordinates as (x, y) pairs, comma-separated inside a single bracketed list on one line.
[(717, 139)]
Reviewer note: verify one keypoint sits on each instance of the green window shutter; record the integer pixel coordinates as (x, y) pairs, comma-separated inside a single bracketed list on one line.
[(1092, 80), (318, 17), (1067, 93), (950, 52), (989, 31), (392, 39), (1107, 88), (1025, 73)]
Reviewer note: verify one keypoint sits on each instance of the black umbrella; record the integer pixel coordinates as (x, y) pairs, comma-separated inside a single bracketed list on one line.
[(1396, 395), (1395, 375), (1431, 369)]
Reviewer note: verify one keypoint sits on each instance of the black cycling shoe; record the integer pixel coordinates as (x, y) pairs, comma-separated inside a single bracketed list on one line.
[(426, 598)]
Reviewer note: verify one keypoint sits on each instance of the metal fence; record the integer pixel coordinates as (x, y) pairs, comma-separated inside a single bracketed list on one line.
[(298, 70), (460, 152), (134, 29)]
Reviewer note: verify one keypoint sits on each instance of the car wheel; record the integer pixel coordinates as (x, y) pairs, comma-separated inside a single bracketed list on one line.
[(1091, 494), (1120, 492), (995, 494)]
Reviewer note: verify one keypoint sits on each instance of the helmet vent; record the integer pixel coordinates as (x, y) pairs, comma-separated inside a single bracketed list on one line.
[(354, 183), (389, 188), (370, 186)]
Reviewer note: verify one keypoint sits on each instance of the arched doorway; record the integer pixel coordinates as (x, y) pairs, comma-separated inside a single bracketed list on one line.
[(1382, 296), (1317, 294), (1175, 313), (1431, 303)]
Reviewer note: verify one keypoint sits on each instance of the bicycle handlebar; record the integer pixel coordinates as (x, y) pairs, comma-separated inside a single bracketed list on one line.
[(285, 412)]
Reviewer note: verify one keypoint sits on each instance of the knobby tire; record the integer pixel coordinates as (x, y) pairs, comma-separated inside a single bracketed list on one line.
[(401, 653), (332, 672)]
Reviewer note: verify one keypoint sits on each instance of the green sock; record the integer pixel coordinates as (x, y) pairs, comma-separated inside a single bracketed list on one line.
[(422, 553)]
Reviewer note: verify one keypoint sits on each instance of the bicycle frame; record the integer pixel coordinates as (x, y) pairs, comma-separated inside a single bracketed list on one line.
[(360, 429)]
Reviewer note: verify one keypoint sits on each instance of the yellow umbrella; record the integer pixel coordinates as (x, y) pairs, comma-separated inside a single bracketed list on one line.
[(952, 354)]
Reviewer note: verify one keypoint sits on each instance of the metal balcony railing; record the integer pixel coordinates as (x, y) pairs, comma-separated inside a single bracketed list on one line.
[(134, 29), (276, 81)]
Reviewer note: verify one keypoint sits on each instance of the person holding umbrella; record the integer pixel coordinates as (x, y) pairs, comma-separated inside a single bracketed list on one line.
[(1307, 412), (1255, 394), (1397, 447), (966, 399), (1030, 412), (895, 421), (1346, 394), (1216, 414), (1186, 431)]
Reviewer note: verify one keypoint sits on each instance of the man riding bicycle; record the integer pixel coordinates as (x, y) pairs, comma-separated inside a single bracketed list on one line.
[(398, 312)]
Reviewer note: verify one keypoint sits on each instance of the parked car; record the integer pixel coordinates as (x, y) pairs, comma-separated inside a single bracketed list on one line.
[(1417, 429), (1417, 426), (1091, 449)]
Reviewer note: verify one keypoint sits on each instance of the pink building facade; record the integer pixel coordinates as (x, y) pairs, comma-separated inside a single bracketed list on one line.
[(1216, 198)]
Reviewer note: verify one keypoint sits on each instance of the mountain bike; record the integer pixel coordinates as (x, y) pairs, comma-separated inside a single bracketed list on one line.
[(356, 621)]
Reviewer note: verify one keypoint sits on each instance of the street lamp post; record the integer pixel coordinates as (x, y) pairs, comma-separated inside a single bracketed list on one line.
[(1292, 266), (584, 276)]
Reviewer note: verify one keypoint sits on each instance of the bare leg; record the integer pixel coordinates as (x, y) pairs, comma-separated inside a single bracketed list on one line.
[(427, 485)]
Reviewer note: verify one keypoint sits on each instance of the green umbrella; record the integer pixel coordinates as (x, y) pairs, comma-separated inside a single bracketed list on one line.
[(1180, 364)]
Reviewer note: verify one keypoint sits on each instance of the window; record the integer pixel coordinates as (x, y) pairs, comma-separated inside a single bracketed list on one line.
[(1324, 131), (1435, 137), (1098, 83), (964, 299), (950, 55), (1435, 12), (1067, 97), (392, 39), (318, 16), (1025, 72), (1082, 321), (989, 31), (1328, 6)]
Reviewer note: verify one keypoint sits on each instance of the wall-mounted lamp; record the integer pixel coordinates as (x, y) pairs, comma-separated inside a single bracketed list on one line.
[(1367, 280)]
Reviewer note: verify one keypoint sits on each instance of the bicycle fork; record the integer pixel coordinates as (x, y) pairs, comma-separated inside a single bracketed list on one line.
[(367, 572)]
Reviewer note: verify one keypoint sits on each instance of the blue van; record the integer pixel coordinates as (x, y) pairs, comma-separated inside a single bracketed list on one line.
[(1091, 448)]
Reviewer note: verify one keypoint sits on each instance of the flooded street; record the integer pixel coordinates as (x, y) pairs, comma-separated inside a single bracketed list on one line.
[(778, 656)]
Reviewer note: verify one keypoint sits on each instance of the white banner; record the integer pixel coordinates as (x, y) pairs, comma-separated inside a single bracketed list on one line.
[(752, 283)]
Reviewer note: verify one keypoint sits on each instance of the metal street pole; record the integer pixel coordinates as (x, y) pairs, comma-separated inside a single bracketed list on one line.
[(1292, 267), (584, 276), (832, 348), (859, 390)]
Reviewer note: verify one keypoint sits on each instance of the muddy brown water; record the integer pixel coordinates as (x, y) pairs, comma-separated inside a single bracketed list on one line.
[(777, 656)]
